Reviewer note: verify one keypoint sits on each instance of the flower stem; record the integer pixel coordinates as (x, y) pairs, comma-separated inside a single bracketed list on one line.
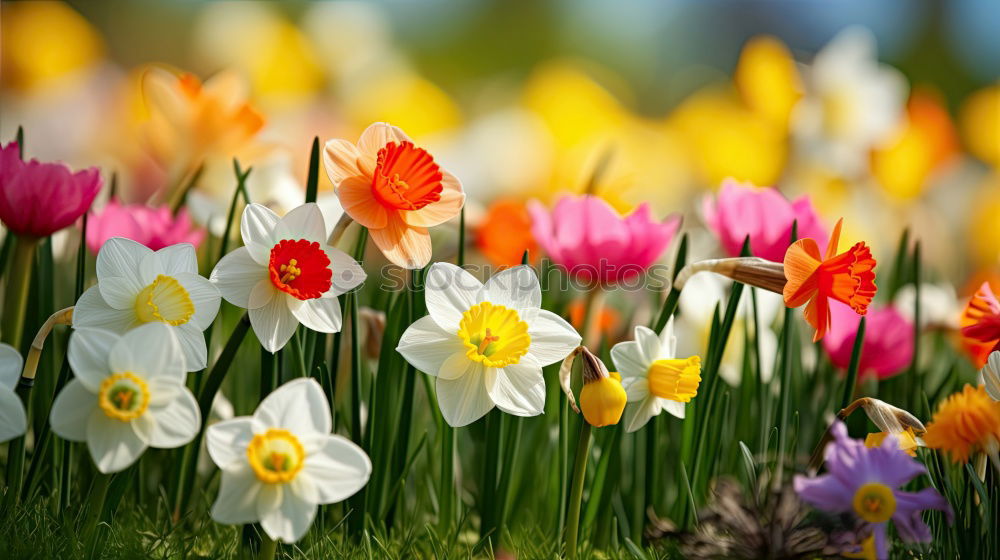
[(268, 548), (16, 291), (98, 494), (576, 492)]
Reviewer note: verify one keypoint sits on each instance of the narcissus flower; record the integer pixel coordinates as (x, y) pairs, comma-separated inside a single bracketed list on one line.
[(286, 274), (155, 228), (763, 213), (981, 320), (848, 277), (906, 440), (602, 398), (395, 189), (864, 482), (486, 344), (136, 285), (966, 422), (989, 376), (654, 378), (13, 420), (38, 199), (887, 348), (281, 463), (595, 243), (128, 394)]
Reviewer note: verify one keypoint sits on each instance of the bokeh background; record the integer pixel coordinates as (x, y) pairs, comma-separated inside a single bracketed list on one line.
[(655, 101)]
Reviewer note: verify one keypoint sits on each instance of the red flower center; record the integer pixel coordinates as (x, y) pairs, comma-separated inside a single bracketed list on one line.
[(300, 268), (406, 177)]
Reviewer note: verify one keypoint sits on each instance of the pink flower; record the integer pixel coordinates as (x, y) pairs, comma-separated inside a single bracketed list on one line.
[(38, 199), (765, 215), (888, 345), (155, 228), (595, 243)]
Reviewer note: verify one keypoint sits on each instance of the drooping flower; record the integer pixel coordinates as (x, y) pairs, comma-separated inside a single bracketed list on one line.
[(595, 243), (13, 420), (966, 422), (887, 348), (742, 209), (155, 228), (906, 440), (486, 344), (395, 189), (989, 376), (38, 199), (654, 378), (602, 397), (128, 394), (286, 274), (281, 463), (864, 482), (504, 233), (136, 285), (981, 320), (848, 277)]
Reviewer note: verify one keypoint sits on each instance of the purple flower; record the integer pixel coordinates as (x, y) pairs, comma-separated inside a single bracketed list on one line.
[(865, 481)]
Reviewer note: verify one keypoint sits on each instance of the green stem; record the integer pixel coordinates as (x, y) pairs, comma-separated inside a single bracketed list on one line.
[(576, 492), (852, 368), (98, 494), (489, 483), (447, 475), (268, 548), (16, 291)]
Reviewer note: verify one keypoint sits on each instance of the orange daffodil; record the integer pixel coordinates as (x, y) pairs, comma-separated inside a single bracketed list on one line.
[(395, 189), (286, 274), (812, 280)]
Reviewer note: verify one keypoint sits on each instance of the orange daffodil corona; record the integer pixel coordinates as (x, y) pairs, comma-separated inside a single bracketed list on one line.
[(394, 188), (286, 274)]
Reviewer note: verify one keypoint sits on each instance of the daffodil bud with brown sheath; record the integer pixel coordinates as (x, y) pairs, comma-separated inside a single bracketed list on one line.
[(752, 271), (602, 398)]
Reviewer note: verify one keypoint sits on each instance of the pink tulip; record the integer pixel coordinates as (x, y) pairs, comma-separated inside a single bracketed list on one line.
[(38, 199), (763, 213), (155, 228), (595, 243), (888, 345)]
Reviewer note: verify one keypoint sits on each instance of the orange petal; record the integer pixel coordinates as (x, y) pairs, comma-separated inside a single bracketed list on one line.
[(801, 262), (450, 204), (831, 247), (817, 314), (405, 246), (377, 135), (355, 194), (342, 160)]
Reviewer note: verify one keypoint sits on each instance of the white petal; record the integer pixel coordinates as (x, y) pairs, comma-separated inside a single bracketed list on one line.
[(113, 444), (320, 314), (90, 355), (347, 273), (463, 400), (666, 346), (291, 520), (177, 259), (262, 293), (673, 407), (636, 388), (163, 390), (298, 406), (204, 295), (119, 292), (338, 468), (649, 344), (71, 411), (638, 413), (92, 311), (516, 288), (227, 441), (13, 420), (426, 346), (517, 389), (10, 366), (552, 338), (450, 291), (273, 323), (121, 257), (628, 359), (192, 345), (173, 425), (304, 222), (458, 365), (257, 228), (149, 351), (990, 375), (237, 501), (236, 275)]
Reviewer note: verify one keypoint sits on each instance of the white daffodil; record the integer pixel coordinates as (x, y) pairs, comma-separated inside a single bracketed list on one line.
[(136, 285), (281, 463), (653, 377), (13, 420), (128, 394), (286, 274), (989, 376), (852, 103), (486, 344)]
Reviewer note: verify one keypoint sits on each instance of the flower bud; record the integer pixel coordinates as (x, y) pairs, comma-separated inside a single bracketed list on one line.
[(602, 398), (890, 419), (752, 271)]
